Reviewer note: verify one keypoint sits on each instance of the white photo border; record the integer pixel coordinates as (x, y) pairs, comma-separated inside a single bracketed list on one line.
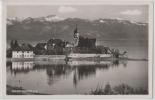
[(81, 2)]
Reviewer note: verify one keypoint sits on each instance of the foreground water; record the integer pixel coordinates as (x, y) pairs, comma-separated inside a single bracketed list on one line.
[(80, 77)]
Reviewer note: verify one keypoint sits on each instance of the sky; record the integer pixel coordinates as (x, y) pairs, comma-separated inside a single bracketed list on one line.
[(138, 13)]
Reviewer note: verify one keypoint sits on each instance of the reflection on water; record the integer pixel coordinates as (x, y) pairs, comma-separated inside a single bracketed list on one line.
[(81, 69), (22, 65), (56, 72), (81, 76)]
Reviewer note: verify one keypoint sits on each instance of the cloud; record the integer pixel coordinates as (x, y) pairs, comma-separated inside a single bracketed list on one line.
[(131, 12), (66, 9)]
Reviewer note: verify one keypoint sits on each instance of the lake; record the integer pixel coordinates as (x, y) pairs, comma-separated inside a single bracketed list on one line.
[(80, 77)]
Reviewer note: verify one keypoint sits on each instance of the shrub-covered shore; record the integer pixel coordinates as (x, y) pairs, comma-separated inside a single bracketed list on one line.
[(122, 89)]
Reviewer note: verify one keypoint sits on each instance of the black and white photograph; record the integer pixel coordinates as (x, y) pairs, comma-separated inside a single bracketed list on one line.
[(97, 49)]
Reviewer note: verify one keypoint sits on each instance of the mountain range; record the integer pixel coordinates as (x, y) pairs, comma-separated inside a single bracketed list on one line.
[(52, 26)]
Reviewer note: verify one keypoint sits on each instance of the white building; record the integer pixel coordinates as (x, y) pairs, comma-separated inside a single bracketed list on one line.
[(21, 52), (17, 54)]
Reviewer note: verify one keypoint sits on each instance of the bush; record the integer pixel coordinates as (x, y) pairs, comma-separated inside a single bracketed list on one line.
[(122, 89)]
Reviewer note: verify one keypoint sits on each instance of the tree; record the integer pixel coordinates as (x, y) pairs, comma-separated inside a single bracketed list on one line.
[(14, 44), (9, 53), (11, 43), (108, 89)]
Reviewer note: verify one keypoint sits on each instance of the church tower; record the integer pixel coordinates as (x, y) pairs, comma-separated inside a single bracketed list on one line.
[(76, 37)]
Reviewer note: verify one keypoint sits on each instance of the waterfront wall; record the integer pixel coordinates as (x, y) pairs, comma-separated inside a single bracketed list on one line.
[(77, 55), (61, 57), (51, 62), (49, 57)]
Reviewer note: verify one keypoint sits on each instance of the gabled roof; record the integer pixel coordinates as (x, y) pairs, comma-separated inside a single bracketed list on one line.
[(17, 49), (24, 47)]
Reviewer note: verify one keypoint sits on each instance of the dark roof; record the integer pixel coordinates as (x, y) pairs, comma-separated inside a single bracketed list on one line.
[(17, 49), (76, 30), (24, 47), (87, 37)]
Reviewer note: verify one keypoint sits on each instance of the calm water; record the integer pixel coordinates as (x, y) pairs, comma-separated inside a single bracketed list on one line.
[(80, 77)]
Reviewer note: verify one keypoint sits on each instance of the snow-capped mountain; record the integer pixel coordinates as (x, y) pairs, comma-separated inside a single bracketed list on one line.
[(121, 21), (11, 21), (49, 18), (42, 27), (53, 18)]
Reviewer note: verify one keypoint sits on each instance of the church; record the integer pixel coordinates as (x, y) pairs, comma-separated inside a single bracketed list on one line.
[(80, 41)]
